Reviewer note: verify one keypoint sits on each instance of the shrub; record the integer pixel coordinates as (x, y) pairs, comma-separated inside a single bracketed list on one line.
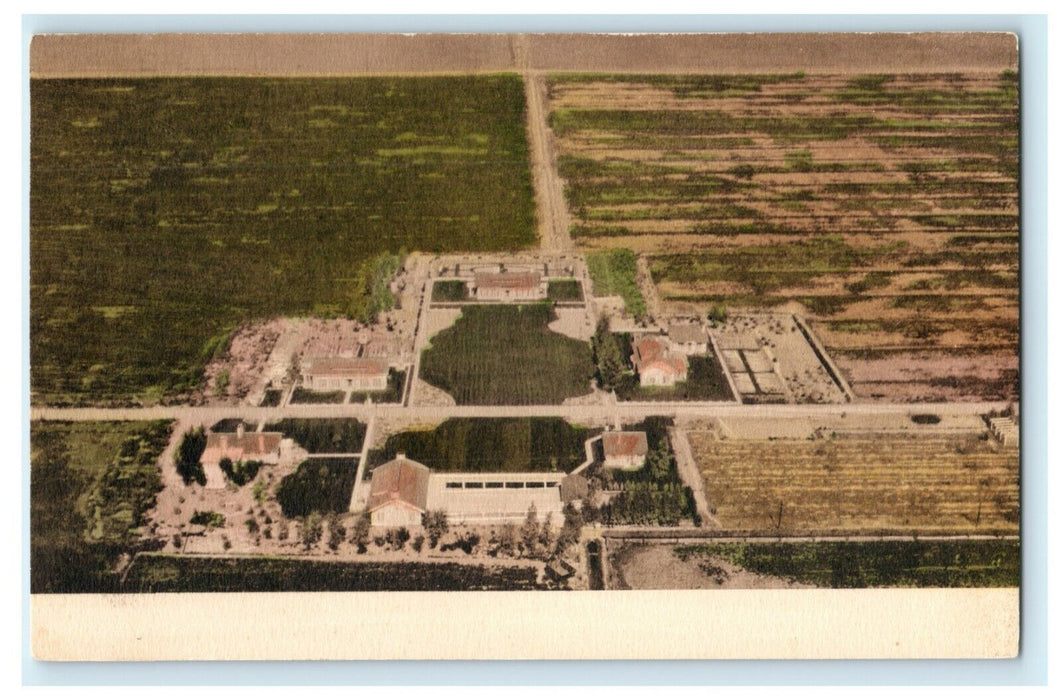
[(208, 518), (240, 473)]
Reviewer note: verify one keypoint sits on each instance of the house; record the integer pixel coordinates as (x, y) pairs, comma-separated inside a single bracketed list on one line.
[(656, 364), (625, 449), (345, 373), (398, 494), (509, 286), (240, 446), (689, 338)]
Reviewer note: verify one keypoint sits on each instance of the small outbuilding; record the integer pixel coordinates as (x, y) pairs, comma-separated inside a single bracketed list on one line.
[(625, 449), (398, 494)]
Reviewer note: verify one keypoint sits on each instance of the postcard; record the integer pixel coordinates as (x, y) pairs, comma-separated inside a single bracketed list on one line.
[(513, 346)]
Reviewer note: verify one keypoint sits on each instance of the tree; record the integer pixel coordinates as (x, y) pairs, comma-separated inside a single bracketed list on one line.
[(360, 532), (337, 532), (437, 524), (507, 540), (608, 356), (545, 534), (529, 532), (311, 530), (188, 453)]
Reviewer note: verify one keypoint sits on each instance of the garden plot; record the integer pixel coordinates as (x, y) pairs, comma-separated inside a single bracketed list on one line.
[(770, 360)]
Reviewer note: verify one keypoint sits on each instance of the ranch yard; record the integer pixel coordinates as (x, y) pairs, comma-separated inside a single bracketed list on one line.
[(166, 212), (883, 207), (929, 484)]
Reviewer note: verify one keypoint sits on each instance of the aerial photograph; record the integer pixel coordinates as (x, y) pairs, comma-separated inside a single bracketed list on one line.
[(524, 312)]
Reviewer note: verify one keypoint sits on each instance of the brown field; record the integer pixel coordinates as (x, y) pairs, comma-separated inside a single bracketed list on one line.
[(885, 206), (74, 55), (922, 485)]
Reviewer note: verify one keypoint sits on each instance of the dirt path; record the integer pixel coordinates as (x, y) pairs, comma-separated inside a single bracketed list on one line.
[(551, 212), (690, 475)]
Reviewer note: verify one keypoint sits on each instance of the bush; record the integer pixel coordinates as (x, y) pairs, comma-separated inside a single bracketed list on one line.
[(240, 473), (208, 518)]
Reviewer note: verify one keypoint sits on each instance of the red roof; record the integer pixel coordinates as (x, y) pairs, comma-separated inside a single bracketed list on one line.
[(400, 481), (345, 367), (625, 444), (508, 280), (674, 366), (649, 349), (239, 447)]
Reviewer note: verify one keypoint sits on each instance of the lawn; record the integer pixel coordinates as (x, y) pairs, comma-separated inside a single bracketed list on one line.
[(449, 291), (492, 445), (564, 290), (90, 486), (506, 355), (164, 212)]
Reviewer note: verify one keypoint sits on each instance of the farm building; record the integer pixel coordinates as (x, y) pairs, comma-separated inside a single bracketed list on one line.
[(624, 450), (690, 338), (509, 286), (398, 495), (495, 497), (657, 365), (346, 373), (240, 446)]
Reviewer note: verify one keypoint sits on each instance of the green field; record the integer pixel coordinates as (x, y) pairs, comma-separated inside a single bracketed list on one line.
[(90, 486), (174, 574), (506, 355), (492, 445), (164, 212), (972, 564), (613, 272)]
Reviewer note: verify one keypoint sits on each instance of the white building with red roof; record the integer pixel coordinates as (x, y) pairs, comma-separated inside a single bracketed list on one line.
[(398, 493), (237, 447), (509, 286), (345, 373), (624, 449), (656, 364)]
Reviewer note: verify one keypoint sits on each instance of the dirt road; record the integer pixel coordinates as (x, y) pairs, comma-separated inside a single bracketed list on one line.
[(628, 412), (551, 211)]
